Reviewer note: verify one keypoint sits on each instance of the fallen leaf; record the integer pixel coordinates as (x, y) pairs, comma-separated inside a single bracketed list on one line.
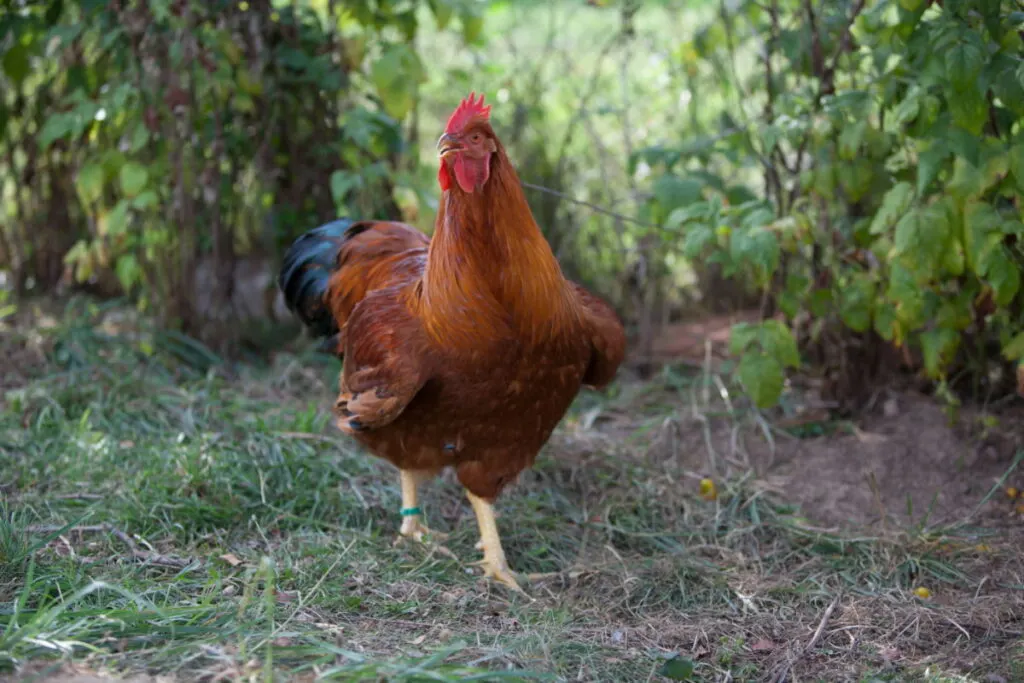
[(677, 669), (418, 640), (231, 559), (763, 645)]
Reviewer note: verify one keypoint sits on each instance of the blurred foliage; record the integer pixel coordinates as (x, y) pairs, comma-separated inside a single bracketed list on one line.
[(889, 142), (852, 168), (144, 146)]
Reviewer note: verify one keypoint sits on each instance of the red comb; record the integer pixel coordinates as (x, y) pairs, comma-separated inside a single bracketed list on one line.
[(467, 110)]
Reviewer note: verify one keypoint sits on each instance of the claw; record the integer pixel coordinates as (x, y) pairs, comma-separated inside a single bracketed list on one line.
[(499, 571), (494, 563)]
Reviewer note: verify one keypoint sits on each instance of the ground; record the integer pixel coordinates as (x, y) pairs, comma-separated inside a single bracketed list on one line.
[(165, 518)]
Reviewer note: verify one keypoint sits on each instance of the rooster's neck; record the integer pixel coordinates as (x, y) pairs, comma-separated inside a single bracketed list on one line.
[(490, 272)]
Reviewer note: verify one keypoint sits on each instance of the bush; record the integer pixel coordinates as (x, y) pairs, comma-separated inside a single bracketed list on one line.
[(145, 141), (890, 145)]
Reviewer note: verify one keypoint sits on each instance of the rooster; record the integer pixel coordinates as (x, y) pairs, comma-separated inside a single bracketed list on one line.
[(460, 351)]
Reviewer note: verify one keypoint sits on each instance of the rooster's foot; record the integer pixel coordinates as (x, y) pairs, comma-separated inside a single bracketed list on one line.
[(498, 569), (413, 528)]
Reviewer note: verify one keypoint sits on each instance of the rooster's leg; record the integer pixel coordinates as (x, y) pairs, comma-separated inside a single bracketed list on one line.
[(494, 563), (412, 524)]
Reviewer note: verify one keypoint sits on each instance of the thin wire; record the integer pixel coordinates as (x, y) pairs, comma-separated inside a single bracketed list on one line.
[(593, 207)]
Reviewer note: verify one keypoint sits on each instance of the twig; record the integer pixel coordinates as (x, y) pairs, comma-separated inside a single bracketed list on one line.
[(784, 671), (594, 207), (80, 496)]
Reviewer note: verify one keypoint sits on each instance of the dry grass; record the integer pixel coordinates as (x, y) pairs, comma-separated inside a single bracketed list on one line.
[(192, 524)]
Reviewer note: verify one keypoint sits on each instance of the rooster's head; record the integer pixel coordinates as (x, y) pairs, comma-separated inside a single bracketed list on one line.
[(466, 146)]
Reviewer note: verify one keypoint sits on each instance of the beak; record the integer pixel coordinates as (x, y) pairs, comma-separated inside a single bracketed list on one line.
[(446, 145)]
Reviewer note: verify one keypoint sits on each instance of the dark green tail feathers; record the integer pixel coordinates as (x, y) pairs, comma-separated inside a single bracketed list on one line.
[(306, 273)]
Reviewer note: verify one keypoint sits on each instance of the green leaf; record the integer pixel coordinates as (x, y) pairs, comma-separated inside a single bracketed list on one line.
[(908, 297), (769, 137), (117, 220), (980, 222), (128, 271), (343, 182), (855, 303), (851, 139), (968, 181), (697, 238), (1014, 349), (673, 192), (685, 214), (55, 127), (742, 335), (820, 302), (762, 377), (677, 669), (396, 76), (762, 250), (145, 200), (929, 162), (442, 10), (908, 108), (1010, 90), (886, 321), (938, 347), (856, 178), (777, 340), (921, 238), (895, 203), (16, 62), (1017, 164), (90, 182), (472, 28), (956, 313), (134, 177), (140, 136), (1004, 276), (964, 62), (969, 109)]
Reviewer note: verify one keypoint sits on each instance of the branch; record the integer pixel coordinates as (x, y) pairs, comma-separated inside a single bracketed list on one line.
[(828, 85), (593, 207)]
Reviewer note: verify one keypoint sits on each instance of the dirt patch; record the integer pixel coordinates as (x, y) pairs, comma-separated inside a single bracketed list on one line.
[(906, 464), (19, 361), (689, 342), (70, 672)]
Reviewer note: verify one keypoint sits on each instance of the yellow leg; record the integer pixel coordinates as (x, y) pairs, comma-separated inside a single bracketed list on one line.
[(412, 524), (494, 563)]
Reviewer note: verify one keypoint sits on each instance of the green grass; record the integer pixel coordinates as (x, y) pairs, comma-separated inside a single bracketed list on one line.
[(210, 522)]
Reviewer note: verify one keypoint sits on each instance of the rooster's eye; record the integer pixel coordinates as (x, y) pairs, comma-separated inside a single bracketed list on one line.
[(475, 138)]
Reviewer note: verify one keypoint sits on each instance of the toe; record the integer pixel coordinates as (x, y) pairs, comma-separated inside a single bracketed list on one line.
[(508, 578)]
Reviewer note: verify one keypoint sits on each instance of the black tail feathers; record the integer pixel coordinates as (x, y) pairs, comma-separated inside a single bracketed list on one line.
[(306, 272)]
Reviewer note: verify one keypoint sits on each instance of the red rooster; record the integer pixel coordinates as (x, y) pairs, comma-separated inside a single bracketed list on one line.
[(462, 351)]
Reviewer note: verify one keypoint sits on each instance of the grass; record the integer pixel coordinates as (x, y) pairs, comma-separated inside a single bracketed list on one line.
[(210, 523)]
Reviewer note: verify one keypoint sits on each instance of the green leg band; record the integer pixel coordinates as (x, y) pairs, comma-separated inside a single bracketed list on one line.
[(409, 512)]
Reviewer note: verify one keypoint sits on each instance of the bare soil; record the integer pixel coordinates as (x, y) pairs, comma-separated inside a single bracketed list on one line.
[(905, 466), (905, 462)]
